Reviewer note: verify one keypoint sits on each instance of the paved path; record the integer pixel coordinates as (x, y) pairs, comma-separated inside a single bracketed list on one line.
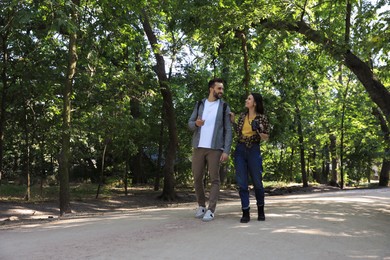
[(336, 225)]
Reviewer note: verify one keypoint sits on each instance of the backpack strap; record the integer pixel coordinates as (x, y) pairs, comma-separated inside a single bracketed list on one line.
[(224, 110), (223, 117), (197, 110)]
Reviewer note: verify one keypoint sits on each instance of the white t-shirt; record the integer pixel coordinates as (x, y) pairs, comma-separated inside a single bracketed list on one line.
[(209, 115)]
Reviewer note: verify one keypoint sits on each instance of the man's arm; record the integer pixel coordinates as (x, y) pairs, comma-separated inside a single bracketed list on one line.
[(191, 122), (228, 132)]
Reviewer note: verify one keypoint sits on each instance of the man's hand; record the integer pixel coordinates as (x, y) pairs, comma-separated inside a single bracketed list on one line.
[(224, 157), (199, 122), (232, 117)]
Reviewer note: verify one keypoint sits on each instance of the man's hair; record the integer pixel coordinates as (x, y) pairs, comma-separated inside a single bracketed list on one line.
[(215, 80)]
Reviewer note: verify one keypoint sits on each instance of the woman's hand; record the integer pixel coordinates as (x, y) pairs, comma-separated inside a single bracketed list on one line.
[(264, 137)]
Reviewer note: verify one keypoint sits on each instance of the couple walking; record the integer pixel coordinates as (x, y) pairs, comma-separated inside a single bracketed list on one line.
[(211, 121)]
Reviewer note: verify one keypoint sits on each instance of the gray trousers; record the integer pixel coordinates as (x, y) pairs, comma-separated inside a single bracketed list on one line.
[(211, 157)]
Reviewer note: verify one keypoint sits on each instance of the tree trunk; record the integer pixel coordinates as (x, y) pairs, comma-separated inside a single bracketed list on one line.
[(346, 39), (325, 170), (26, 162), (316, 171), (242, 35), (101, 178), (43, 171), (333, 156), (292, 164), (137, 169), (2, 123), (281, 159), (301, 148), (43, 165), (4, 80), (159, 158), (384, 174), (168, 171), (378, 93), (66, 116), (343, 110), (125, 176), (136, 165), (342, 148)]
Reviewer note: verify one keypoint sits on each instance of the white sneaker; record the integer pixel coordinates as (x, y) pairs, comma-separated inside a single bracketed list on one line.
[(200, 212), (208, 216)]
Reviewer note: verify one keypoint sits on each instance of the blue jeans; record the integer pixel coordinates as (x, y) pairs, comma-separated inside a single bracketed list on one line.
[(248, 161)]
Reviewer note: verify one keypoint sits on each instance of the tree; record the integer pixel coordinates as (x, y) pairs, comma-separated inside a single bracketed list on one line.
[(384, 174), (376, 90), (10, 17), (298, 20), (168, 190), (140, 72), (66, 112)]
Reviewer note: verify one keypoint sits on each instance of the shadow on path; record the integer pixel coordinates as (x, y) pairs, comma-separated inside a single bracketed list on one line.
[(335, 225)]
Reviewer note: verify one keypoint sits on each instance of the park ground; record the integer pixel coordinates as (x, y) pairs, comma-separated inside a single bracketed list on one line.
[(309, 224)]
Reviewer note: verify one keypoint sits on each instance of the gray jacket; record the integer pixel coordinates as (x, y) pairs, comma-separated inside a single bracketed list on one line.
[(219, 141)]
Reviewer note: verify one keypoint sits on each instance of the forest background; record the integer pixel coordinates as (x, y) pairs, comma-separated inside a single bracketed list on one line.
[(101, 91)]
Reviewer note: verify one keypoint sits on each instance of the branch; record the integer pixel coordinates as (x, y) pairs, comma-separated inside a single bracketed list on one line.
[(302, 28), (348, 22), (376, 90), (304, 11)]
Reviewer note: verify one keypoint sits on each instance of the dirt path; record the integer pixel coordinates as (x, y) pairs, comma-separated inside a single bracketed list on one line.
[(335, 225)]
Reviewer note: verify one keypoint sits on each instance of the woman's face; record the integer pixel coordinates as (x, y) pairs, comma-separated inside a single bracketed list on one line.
[(250, 102)]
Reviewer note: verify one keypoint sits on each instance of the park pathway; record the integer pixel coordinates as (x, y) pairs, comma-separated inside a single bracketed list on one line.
[(335, 225)]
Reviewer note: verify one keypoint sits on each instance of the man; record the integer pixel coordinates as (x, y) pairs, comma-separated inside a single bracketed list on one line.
[(211, 142)]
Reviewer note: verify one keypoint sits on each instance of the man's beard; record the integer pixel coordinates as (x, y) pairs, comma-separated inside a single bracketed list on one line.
[(217, 96)]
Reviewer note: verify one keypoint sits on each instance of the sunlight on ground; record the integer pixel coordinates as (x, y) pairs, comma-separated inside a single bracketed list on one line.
[(278, 208), (316, 232)]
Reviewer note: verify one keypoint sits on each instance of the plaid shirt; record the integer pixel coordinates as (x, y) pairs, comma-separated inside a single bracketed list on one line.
[(249, 140)]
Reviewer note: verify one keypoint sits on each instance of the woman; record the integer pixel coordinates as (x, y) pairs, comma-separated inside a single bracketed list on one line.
[(252, 127)]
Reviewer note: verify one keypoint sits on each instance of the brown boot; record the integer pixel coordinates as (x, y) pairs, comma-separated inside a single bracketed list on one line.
[(245, 216), (260, 210)]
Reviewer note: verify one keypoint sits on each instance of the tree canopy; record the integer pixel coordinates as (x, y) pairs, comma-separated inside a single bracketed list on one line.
[(104, 89)]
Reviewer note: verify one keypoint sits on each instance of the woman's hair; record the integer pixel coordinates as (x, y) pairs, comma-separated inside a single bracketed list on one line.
[(259, 103)]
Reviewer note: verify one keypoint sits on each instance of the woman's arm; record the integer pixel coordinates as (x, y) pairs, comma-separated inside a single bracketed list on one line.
[(263, 129)]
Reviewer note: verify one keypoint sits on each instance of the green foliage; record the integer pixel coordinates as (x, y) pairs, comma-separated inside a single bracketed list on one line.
[(116, 100)]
